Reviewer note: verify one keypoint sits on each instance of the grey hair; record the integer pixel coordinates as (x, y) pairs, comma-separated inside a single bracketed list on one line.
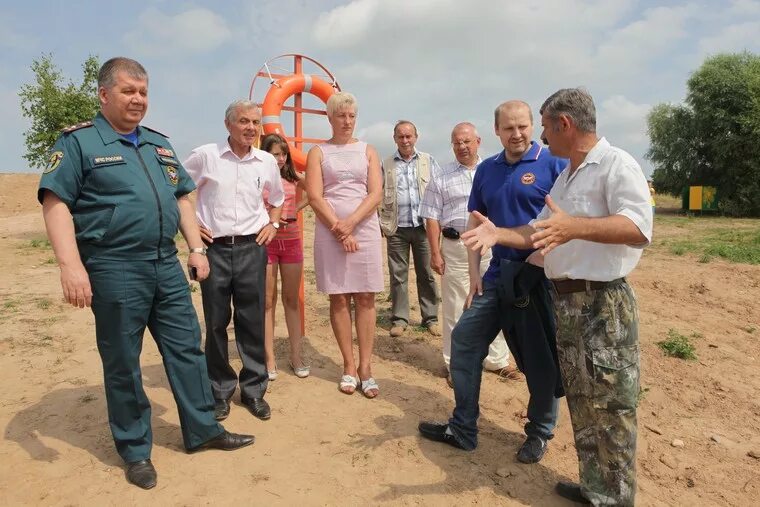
[(108, 71), (339, 100), (575, 103), (509, 105), (229, 114), (404, 122), (468, 125)]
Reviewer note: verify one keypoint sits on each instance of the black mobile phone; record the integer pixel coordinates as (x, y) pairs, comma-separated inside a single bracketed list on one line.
[(193, 272), (290, 220)]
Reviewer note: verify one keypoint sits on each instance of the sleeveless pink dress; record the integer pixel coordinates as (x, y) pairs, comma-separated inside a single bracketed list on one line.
[(344, 178)]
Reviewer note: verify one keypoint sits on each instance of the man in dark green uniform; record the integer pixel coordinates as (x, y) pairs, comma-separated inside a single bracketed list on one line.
[(114, 195)]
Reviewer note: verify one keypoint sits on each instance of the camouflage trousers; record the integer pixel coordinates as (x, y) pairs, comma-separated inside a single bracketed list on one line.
[(598, 349)]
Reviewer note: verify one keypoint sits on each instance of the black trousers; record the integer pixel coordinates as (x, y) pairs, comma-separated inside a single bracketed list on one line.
[(238, 276)]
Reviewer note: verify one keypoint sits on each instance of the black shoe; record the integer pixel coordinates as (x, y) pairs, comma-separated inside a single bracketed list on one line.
[(258, 407), (221, 409), (142, 474), (437, 433), (571, 491), (226, 442), (532, 450)]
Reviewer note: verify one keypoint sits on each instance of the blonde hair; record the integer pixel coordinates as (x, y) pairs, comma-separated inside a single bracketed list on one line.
[(340, 100)]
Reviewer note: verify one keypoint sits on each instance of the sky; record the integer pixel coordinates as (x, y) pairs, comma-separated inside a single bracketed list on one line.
[(434, 62)]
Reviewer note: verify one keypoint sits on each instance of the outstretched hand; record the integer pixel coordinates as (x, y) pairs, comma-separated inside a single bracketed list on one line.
[(482, 237), (556, 230)]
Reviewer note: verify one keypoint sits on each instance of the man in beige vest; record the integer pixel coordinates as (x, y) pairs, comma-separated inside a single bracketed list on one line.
[(405, 176)]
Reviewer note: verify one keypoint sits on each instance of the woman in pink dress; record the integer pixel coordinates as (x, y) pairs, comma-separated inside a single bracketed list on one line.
[(344, 185)]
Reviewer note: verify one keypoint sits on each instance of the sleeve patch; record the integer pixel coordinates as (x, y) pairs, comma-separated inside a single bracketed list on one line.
[(53, 162)]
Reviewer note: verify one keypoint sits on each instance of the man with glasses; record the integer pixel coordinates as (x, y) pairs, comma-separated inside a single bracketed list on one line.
[(444, 207), (509, 188)]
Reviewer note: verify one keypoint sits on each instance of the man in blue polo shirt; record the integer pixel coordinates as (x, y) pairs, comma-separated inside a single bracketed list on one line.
[(508, 188)]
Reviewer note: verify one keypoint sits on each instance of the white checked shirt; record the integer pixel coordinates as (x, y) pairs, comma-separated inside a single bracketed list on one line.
[(608, 182), (447, 194), (230, 200), (407, 191)]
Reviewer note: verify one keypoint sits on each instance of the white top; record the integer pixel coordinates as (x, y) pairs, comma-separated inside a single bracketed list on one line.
[(230, 201), (447, 194), (608, 182)]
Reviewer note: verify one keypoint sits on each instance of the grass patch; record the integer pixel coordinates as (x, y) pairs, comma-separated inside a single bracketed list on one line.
[(750, 329), (642, 394), (39, 243), (51, 261), (707, 238), (44, 304), (679, 345)]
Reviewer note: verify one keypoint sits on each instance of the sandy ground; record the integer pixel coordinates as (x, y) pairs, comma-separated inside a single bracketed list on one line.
[(325, 448)]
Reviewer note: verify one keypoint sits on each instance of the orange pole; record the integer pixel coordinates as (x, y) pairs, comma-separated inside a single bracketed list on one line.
[(298, 135)]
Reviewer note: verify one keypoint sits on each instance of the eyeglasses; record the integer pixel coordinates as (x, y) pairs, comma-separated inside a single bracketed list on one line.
[(466, 142)]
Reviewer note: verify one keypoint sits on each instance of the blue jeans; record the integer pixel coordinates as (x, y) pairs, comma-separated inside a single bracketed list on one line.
[(476, 329)]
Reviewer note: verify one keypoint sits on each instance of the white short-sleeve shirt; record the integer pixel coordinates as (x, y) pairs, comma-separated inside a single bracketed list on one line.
[(608, 182), (230, 200)]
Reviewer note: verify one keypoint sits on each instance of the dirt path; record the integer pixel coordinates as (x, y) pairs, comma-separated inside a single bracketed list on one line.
[(324, 448)]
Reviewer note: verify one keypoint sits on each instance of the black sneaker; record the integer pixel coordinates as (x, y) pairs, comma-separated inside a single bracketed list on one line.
[(532, 450), (437, 432), (571, 491)]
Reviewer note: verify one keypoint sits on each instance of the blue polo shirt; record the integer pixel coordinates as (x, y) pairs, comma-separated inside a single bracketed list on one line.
[(511, 195)]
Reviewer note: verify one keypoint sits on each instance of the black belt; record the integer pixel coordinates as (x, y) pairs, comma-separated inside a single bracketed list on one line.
[(570, 286), (231, 240)]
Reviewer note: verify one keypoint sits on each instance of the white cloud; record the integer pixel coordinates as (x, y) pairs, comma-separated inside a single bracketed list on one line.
[(193, 30), (625, 118), (732, 38)]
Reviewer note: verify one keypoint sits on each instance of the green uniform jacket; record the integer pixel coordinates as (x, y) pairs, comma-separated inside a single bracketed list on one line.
[(123, 197)]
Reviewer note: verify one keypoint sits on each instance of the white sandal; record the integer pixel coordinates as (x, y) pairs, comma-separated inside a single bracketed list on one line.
[(370, 385), (301, 371), (346, 382)]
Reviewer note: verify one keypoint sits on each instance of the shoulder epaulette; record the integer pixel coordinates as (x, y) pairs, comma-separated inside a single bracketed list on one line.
[(155, 131), (77, 127)]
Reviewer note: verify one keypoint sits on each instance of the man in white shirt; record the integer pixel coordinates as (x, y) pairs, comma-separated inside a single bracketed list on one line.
[(596, 221), (231, 177), (444, 208)]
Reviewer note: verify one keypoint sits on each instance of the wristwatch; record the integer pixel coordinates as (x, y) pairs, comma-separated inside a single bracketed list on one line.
[(276, 225), (199, 250)]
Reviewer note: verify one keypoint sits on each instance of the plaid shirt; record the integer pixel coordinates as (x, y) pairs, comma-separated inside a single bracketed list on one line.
[(407, 192), (447, 194)]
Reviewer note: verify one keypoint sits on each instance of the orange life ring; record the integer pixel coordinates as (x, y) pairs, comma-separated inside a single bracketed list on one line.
[(282, 90)]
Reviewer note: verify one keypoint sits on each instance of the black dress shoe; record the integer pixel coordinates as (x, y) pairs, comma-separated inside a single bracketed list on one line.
[(221, 409), (142, 474), (226, 442), (258, 407), (571, 491), (532, 450), (437, 433)]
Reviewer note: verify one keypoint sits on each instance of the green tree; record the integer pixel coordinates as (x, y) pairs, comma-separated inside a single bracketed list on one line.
[(712, 139), (52, 105)]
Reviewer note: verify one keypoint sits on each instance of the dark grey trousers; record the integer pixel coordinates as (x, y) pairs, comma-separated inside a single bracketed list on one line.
[(238, 275), (398, 267)]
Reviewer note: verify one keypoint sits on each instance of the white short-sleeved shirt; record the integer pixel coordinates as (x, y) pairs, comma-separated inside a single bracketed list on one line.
[(447, 194), (608, 182), (230, 200)]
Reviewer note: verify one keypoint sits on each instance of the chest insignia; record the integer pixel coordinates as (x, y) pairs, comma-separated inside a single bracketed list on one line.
[(54, 162), (171, 171), (111, 159), (164, 152), (528, 179)]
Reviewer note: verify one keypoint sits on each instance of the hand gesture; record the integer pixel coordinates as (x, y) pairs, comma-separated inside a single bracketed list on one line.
[(76, 286), (342, 229), (206, 234), (476, 287), (437, 263), (349, 244), (266, 235), (559, 228), (482, 237), (200, 263)]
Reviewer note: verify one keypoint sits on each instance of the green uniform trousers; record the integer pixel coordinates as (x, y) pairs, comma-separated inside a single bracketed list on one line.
[(127, 297), (598, 349)]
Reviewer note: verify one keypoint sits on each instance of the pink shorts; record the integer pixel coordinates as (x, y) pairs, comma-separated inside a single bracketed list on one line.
[(285, 251)]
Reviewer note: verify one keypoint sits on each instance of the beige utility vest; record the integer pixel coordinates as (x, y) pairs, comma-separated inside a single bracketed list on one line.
[(389, 207)]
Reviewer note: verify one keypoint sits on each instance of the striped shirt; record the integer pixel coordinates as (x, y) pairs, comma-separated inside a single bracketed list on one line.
[(407, 191), (447, 194)]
